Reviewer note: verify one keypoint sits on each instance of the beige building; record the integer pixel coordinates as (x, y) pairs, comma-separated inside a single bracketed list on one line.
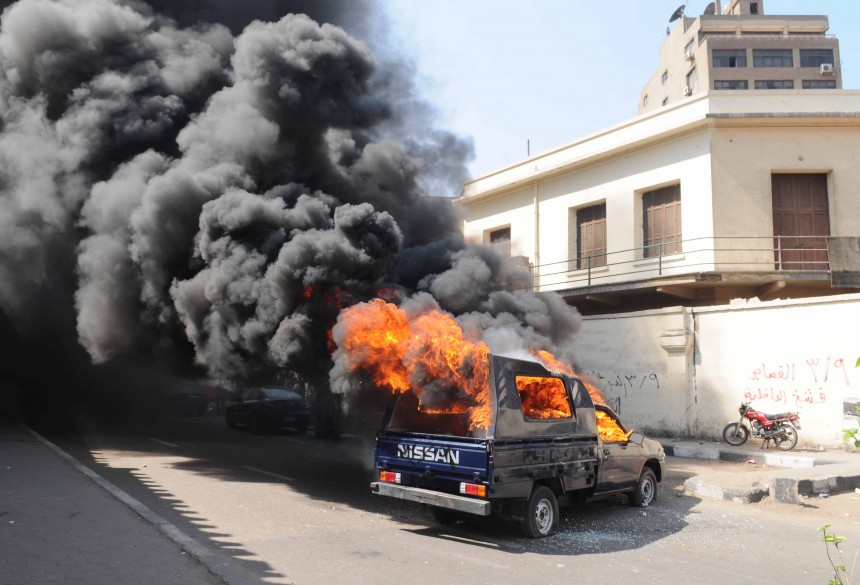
[(723, 195), (712, 244), (742, 49)]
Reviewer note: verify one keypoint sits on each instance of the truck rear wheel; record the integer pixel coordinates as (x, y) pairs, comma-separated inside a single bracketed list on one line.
[(541, 518)]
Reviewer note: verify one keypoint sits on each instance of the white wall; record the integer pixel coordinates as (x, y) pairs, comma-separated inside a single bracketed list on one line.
[(515, 209), (722, 147), (785, 355), (619, 183)]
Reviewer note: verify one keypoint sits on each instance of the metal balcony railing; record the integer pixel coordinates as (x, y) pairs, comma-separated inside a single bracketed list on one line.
[(777, 254)]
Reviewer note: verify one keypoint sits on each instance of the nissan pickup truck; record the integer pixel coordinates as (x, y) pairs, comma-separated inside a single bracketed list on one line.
[(544, 445)]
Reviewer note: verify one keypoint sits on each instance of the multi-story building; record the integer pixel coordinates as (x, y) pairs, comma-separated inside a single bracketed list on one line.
[(712, 244), (721, 196), (742, 48)]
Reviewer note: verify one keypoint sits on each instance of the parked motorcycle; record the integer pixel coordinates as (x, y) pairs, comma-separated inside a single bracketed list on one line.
[(780, 428)]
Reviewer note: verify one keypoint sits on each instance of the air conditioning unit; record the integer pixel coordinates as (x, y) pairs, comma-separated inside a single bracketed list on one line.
[(689, 55), (828, 69), (688, 90)]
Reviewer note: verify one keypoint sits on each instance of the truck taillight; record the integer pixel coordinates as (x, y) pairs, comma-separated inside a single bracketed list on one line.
[(473, 489), (389, 477)]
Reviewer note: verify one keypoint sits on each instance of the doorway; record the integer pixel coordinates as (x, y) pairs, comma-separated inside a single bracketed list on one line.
[(801, 221)]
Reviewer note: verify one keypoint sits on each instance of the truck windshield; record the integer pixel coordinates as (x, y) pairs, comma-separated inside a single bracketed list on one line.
[(406, 416)]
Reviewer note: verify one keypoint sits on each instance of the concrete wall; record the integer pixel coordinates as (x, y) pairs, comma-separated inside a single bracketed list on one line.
[(684, 372)]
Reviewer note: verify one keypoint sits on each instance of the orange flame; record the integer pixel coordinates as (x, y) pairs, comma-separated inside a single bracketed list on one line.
[(403, 355), (543, 398), (553, 364), (409, 355), (608, 428)]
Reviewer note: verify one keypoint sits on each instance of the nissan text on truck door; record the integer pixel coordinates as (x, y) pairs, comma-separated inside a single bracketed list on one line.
[(546, 443)]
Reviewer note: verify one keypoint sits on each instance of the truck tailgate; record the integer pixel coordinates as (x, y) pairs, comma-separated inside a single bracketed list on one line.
[(443, 457)]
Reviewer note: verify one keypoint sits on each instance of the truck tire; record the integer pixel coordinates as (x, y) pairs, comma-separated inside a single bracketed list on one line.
[(541, 518), (645, 493)]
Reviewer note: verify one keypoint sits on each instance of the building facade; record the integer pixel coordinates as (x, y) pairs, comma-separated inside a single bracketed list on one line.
[(743, 49), (724, 195), (712, 243)]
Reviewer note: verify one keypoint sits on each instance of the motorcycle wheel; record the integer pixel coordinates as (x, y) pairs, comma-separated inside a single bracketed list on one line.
[(735, 434), (788, 442)]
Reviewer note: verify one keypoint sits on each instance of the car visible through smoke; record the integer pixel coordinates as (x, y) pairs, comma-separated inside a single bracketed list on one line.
[(268, 409)]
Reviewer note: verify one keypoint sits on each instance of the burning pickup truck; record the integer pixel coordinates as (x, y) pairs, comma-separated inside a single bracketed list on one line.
[(537, 442)]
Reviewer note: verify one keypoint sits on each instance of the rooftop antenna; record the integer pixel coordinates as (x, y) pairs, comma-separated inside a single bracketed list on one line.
[(679, 12), (711, 9), (528, 147)]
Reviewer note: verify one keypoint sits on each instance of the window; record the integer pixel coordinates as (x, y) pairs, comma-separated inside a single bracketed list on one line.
[(664, 77), (773, 58), (730, 58), (665, 101), (731, 84), (692, 77), (774, 84), (661, 222), (689, 47), (753, 7), (591, 236), (819, 84), (543, 398), (815, 57), (645, 100), (500, 240)]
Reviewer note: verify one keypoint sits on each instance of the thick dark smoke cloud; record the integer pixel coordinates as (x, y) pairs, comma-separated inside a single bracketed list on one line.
[(220, 179)]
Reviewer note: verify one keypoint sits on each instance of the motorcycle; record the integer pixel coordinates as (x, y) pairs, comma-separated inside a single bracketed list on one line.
[(780, 428)]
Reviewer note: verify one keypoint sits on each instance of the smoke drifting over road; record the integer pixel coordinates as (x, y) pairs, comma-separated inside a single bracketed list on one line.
[(225, 189)]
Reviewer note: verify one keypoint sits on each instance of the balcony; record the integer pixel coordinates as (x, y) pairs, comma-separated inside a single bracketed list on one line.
[(712, 270)]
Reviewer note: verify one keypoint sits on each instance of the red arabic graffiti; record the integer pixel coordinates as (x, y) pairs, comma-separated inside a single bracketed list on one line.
[(798, 397), (797, 382), (820, 369)]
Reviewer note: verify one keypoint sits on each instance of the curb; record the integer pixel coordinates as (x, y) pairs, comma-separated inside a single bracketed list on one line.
[(801, 476), (763, 458)]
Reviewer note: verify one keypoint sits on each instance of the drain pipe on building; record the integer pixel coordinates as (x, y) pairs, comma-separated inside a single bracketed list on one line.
[(536, 273)]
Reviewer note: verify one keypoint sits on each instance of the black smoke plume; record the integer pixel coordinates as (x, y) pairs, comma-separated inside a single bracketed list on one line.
[(212, 182)]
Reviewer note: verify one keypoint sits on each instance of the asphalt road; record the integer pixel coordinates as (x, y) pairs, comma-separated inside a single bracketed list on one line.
[(288, 508)]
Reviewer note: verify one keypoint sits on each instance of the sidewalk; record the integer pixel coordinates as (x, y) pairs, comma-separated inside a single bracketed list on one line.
[(795, 474), (58, 525)]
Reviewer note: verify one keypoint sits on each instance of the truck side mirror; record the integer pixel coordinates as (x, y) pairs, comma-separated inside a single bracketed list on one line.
[(636, 438)]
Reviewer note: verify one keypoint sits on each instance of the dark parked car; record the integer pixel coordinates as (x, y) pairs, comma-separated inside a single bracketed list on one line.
[(269, 409), (186, 399)]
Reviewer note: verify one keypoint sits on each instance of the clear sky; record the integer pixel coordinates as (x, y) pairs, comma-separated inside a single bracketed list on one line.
[(550, 71)]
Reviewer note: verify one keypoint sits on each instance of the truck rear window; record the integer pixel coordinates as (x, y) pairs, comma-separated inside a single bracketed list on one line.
[(543, 398), (408, 416)]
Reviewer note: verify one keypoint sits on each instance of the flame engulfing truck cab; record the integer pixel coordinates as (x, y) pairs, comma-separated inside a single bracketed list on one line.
[(539, 445)]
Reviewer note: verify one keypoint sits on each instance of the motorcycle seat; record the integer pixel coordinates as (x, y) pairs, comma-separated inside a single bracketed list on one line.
[(777, 416)]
